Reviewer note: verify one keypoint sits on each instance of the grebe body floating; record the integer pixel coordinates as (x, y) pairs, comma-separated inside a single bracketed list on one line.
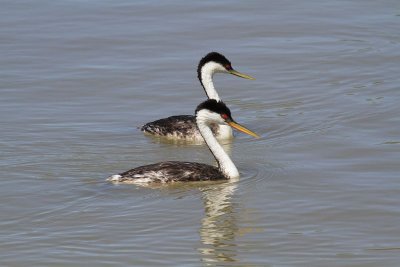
[(208, 113), (183, 127)]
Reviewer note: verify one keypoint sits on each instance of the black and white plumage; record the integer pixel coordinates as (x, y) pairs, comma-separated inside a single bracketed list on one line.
[(167, 172), (172, 127), (178, 127), (207, 113)]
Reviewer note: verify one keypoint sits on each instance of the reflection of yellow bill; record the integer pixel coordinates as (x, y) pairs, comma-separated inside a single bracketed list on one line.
[(243, 129), (234, 72)]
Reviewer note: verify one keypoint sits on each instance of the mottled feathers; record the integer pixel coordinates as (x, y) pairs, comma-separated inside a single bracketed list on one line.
[(169, 171), (181, 126)]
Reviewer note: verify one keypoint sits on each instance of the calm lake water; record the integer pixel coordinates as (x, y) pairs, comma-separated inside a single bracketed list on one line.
[(320, 188)]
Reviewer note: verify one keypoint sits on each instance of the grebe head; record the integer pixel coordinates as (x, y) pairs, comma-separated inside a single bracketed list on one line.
[(213, 111), (217, 63)]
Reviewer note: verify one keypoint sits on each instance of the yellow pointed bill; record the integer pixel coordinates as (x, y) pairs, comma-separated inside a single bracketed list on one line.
[(242, 75), (243, 129)]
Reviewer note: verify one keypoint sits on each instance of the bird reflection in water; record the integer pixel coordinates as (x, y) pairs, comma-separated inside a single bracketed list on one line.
[(219, 227)]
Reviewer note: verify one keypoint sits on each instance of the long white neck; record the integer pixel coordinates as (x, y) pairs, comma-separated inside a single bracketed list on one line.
[(206, 79), (224, 161)]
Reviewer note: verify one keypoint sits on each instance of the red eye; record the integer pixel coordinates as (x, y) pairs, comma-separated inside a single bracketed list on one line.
[(224, 116), (228, 67)]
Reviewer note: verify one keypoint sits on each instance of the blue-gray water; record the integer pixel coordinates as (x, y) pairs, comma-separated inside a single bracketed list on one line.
[(320, 188)]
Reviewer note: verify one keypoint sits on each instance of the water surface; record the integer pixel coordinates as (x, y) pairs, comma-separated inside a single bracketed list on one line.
[(320, 188)]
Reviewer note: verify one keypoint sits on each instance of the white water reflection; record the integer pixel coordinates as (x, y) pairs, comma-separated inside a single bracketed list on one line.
[(218, 227)]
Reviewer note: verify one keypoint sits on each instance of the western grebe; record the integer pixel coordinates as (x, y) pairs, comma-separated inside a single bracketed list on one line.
[(208, 113), (184, 126)]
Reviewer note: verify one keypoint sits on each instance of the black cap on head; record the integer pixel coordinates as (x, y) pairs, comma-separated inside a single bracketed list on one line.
[(217, 107), (215, 57)]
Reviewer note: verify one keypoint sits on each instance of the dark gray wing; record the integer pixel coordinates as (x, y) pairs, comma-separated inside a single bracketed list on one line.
[(174, 171), (178, 125), (182, 126)]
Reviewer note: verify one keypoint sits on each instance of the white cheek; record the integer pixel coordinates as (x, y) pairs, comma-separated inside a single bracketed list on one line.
[(211, 117), (220, 120), (221, 69), (217, 118), (212, 67)]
